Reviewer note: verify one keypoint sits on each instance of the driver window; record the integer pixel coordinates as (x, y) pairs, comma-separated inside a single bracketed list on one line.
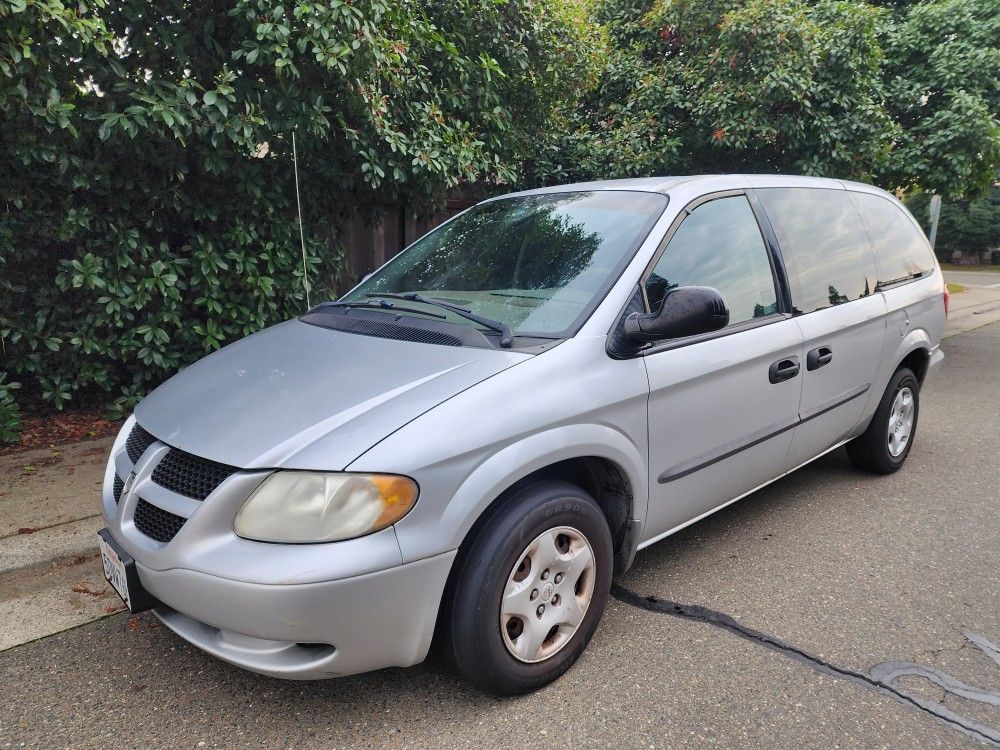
[(719, 245)]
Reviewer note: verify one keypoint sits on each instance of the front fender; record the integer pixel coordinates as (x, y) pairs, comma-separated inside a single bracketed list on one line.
[(444, 521), (569, 402)]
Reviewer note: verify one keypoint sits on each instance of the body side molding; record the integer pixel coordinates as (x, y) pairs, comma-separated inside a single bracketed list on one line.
[(741, 444)]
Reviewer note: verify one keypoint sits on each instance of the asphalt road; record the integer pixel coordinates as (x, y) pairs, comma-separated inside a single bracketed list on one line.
[(974, 278), (766, 627)]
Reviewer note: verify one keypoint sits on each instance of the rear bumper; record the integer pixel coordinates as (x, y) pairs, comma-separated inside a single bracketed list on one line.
[(934, 362), (352, 625)]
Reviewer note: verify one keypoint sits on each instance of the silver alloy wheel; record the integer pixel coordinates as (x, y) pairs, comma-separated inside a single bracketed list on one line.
[(900, 422), (547, 594)]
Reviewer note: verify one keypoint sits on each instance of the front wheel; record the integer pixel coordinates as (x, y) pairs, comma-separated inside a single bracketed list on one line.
[(529, 589), (884, 446)]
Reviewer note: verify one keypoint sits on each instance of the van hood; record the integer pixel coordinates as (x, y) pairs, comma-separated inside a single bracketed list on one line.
[(299, 396)]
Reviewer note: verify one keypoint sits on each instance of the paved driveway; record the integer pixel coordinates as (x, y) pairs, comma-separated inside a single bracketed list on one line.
[(831, 609)]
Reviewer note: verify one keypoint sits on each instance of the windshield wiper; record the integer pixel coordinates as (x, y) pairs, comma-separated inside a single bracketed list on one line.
[(506, 334), (383, 305)]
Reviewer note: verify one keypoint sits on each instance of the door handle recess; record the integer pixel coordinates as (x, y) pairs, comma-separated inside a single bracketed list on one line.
[(818, 357), (783, 369)]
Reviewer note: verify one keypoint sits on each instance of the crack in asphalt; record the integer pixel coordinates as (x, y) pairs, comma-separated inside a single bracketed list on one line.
[(882, 676), (25, 531)]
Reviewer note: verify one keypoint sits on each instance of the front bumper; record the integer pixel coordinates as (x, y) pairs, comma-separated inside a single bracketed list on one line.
[(354, 603), (353, 625)]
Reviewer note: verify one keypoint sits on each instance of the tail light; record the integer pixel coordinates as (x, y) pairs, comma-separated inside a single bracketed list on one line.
[(946, 298)]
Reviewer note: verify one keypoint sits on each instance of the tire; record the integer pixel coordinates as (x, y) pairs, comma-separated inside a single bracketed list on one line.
[(547, 526), (874, 450)]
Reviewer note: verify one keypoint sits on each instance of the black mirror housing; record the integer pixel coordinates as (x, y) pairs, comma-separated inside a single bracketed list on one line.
[(686, 311)]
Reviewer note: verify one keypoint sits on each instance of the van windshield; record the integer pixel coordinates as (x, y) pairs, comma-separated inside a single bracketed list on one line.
[(539, 263)]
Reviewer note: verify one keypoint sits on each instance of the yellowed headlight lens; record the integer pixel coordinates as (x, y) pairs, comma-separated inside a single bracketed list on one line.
[(302, 507)]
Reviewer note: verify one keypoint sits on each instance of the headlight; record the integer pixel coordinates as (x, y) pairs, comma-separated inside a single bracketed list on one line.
[(306, 506)]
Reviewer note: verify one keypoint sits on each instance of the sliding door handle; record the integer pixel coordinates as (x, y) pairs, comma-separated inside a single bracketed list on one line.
[(818, 357), (783, 369)]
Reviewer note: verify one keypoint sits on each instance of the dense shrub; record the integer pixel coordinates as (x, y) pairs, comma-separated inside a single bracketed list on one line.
[(148, 197)]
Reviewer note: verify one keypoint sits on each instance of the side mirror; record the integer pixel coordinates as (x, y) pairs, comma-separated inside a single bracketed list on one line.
[(686, 311)]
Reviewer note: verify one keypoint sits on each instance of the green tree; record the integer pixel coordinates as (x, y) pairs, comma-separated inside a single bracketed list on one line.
[(968, 226), (942, 76), (758, 85), (904, 94)]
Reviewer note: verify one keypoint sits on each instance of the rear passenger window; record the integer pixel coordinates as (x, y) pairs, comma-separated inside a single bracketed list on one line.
[(824, 245), (719, 245), (901, 250)]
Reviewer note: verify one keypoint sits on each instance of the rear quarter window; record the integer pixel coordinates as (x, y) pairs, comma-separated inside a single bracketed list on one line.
[(824, 245), (901, 250)]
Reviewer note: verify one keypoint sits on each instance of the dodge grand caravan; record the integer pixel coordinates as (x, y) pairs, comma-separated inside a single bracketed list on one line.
[(471, 442)]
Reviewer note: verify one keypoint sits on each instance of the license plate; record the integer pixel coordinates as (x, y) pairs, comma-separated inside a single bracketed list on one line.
[(114, 571)]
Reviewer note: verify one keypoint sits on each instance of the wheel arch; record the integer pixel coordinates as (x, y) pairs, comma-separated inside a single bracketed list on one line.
[(599, 459), (914, 352), (917, 360), (607, 483)]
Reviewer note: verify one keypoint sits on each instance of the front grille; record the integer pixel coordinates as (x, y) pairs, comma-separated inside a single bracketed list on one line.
[(189, 475), (117, 489), (156, 523), (389, 330), (138, 441)]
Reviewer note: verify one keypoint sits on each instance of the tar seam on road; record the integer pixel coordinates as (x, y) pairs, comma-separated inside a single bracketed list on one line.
[(882, 677)]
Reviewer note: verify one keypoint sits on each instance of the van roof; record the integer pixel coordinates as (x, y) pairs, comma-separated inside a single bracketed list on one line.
[(707, 182)]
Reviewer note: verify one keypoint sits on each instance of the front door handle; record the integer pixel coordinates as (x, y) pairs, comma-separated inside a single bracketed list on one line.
[(783, 369), (816, 358)]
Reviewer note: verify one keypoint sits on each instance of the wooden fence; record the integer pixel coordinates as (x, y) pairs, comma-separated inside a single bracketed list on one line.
[(370, 243)]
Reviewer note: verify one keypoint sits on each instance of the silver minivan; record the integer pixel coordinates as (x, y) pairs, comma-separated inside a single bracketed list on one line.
[(474, 440)]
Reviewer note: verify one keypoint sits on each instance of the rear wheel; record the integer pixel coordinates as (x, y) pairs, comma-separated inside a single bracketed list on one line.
[(884, 446), (529, 589)]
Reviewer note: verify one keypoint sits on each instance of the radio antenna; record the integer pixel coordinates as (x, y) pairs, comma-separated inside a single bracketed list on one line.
[(302, 236)]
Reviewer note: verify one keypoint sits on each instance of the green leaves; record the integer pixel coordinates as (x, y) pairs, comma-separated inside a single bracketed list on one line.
[(943, 86), (908, 98), (148, 194), (10, 414), (56, 390)]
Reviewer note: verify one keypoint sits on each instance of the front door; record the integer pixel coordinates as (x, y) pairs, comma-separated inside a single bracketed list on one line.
[(723, 406)]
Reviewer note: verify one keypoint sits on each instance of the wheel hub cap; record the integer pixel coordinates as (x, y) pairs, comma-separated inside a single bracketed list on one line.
[(547, 594), (900, 422)]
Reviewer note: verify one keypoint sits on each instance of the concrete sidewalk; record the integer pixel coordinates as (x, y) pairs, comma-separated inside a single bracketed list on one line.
[(50, 572), (987, 278), (973, 308)]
